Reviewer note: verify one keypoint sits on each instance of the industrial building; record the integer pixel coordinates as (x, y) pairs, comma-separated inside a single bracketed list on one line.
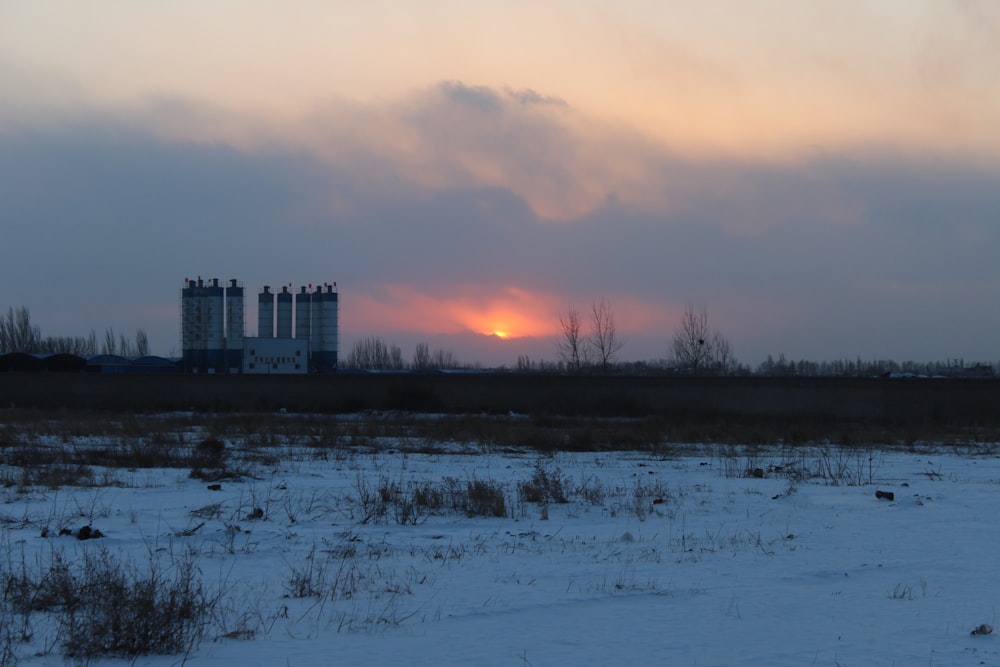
[(303, 338)]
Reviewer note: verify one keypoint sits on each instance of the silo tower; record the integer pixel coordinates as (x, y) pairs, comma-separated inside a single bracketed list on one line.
[(235, 325), (190, 326), (265, 313), (284, 313), (323, 344), (200, 327), (215, 342), (302, 314)]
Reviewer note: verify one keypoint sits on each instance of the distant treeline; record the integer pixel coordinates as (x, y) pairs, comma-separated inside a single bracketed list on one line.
[(782, 367), (18, 334)]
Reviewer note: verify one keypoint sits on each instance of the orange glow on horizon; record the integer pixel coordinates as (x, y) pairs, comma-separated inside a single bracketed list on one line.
[(506, 313)]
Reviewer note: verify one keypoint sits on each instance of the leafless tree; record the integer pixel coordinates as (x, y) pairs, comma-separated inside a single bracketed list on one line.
[(424, 359), (725, 360), (17, 333), (421, 357), (110, 345), (604, 339), (141, 343), (66, 345), (375, 354), (444, 359), (125, 347), (571, 341), (697, 348)]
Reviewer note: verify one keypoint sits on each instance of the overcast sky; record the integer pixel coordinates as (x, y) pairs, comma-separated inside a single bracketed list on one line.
[(823, 177)]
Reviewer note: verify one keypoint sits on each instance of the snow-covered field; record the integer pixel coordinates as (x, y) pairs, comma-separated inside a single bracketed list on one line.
[(686, 556)]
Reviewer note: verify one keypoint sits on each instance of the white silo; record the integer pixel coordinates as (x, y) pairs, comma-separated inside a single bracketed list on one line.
[(235, 325), (190, 325), (265, 313), (284, 313), (323, 354), (303, 317), (215, 341)]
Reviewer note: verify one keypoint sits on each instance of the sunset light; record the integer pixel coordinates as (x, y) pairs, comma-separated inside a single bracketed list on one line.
[(770, 160), (506, 312)]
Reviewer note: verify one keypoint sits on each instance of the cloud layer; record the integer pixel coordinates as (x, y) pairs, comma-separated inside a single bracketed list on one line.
[(823, 181)]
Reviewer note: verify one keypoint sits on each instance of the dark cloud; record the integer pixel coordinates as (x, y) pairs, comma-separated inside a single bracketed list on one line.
[(481, 98), (529, 96), (484, 98), (836, 255)]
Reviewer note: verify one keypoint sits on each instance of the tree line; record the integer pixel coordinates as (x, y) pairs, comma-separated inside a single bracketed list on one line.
[(373, 353), (18, 334), (584, 345), (697, 348)]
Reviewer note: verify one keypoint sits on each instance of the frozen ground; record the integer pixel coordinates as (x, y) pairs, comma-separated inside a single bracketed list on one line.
[(674, 558)]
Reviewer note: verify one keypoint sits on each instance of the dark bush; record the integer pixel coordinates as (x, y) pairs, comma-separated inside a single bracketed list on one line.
[(543, 487)]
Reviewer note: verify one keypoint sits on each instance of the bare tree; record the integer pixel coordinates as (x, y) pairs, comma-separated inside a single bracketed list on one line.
[(375, 354), (604, 339), (110, 345), (444, 359), (425, 360), (17, 333), (65, 345), (125, 347), (421, 357), (724, 360), (699, 349), (571, 342), (141, 343)]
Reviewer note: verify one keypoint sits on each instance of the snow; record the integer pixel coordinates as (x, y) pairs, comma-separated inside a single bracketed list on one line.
[(729, 569)]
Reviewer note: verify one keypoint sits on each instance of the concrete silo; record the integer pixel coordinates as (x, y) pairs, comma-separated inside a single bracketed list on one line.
[(284, 313), (323, 344), (265, 313), (303, 317), (215, 321), (235, 325), (195, 326), (192, 334)]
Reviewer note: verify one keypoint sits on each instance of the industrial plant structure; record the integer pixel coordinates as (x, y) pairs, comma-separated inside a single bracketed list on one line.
[(212, 329)]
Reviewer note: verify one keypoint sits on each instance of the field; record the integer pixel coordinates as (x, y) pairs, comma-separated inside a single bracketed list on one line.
[(384, 537)]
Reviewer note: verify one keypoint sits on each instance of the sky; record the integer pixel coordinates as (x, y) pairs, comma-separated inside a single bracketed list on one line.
[(821, 177)]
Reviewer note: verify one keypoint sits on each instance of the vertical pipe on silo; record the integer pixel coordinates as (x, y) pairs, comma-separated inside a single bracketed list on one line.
[(265, 313), (284, 313)]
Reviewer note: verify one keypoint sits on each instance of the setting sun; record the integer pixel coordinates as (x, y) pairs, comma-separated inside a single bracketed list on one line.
[(501, 334)]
